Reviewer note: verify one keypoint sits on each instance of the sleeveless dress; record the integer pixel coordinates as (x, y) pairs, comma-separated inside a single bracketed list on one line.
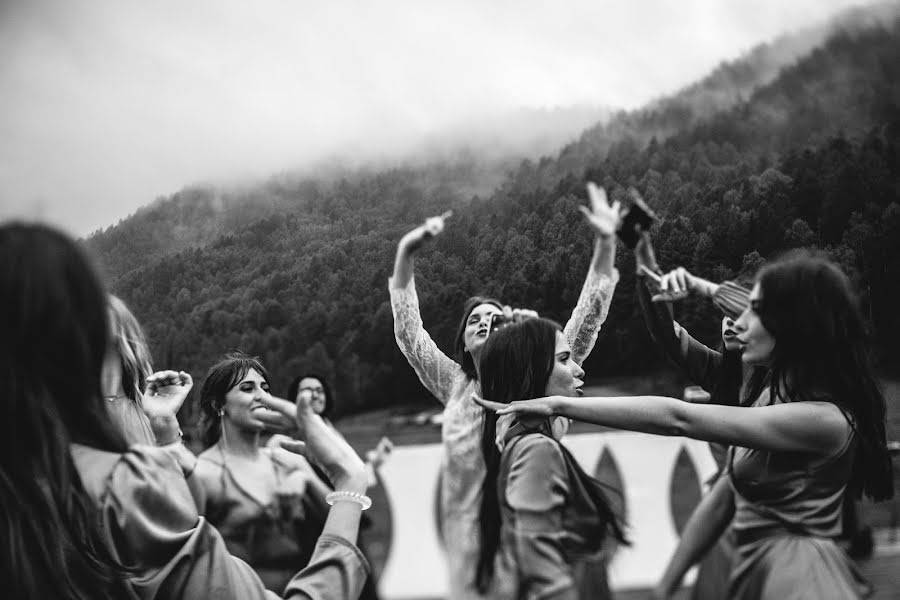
[(787, 514), (266, 536)]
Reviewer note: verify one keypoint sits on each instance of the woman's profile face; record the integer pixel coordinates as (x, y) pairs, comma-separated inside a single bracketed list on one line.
[(565, 378), (314, 387), (478, 324), (245, 398), (757, 341), (729, 335)]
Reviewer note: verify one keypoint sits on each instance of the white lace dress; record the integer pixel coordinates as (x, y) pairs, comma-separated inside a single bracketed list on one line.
[(461, 431)]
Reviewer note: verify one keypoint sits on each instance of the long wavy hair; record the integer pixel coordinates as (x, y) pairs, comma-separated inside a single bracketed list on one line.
[(822, 353), (131, 346), (220, 378), (54, 322), (516, 364), (459, 343)]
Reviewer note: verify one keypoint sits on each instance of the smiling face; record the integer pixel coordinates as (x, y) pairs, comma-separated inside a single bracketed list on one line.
[(477, 324), (729, 335), (315, 387), (244, 399), (566, 376), (758, 342)]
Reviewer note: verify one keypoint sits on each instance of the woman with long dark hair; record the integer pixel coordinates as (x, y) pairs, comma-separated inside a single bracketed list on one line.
[(814, 434), (452, 381), (541, 514), (720, 373), (85, 515), (254, 495)]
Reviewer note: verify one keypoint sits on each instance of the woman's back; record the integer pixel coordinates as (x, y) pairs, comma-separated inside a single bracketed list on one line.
[(550, 523)]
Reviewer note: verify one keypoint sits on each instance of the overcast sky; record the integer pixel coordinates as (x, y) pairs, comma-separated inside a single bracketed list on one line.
[(108, 104)]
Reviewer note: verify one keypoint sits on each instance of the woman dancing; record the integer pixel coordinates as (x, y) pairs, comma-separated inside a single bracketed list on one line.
[(87, 516), (453, 381), (254, 495), (541, 514), (813, 434)]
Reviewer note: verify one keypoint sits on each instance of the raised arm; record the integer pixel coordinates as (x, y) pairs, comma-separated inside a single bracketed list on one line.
[(410, 244), (596, 295), (436, 370), (818, 427), (706, 525)]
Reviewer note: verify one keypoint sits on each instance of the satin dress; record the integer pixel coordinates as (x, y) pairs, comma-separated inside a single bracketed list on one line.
[(788, 508)]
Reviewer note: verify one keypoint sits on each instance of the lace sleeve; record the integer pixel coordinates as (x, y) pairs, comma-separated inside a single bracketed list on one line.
[(436, 370), (590, 313)]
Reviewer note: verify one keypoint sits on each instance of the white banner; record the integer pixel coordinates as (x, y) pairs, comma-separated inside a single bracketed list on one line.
[(416, 567)]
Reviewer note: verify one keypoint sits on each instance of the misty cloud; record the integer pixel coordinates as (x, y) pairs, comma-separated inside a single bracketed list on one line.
[(109, 103)]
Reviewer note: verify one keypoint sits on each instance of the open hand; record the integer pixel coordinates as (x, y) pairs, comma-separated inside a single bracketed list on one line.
[(545, 407), (165, 393), (603, 218), (677, 281)]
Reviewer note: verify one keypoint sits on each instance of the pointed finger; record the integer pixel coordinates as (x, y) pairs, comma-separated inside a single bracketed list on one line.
[(488, 404)]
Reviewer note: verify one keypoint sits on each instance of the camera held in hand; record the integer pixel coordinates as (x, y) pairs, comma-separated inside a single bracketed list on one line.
[(638, 217), (499, 321)]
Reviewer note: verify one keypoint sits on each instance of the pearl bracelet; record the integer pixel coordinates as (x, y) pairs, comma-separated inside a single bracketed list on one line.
[(342, 496)]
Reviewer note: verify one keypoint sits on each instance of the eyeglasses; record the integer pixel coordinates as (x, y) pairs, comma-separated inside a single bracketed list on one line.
[(317, 390)]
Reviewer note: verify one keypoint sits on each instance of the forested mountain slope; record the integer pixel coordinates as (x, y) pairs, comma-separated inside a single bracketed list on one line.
[(295, 270)]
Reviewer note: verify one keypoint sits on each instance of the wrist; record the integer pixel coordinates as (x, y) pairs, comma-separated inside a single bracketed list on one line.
[(356, 482), (605, 239), (558, 404), (165, 428), (708, 288)]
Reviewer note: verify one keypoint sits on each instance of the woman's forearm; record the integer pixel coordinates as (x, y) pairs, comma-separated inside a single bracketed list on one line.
[(707, 523), (604, 258), (343, 518), (658, 415), (403, 265)]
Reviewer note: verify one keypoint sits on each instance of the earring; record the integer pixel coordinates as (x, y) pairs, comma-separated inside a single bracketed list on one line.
[(221, 412)]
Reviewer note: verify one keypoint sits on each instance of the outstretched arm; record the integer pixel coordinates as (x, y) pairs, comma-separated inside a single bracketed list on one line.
[(817, 427), (707, 523)]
